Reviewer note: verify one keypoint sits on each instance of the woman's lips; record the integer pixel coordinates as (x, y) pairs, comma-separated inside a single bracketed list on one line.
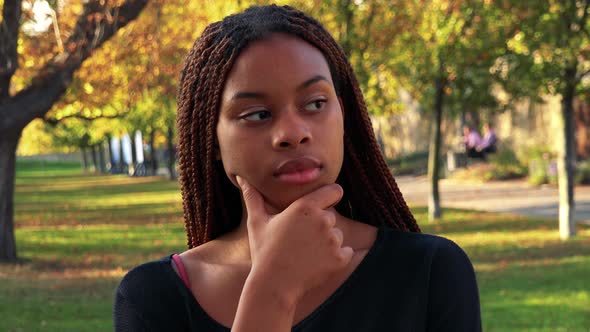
[(298, 171), (300, 177)]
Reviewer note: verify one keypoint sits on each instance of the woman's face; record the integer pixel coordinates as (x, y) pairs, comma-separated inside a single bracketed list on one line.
[(281, 123)]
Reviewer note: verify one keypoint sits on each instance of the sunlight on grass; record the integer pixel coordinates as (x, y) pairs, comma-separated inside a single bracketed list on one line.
[(143, 198), (104, 246), (529, 238)]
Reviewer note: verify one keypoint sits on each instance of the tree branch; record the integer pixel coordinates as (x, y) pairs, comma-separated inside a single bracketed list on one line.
[(11, 14), (54, 121), (367, 27), (95, 25), (582, 75)]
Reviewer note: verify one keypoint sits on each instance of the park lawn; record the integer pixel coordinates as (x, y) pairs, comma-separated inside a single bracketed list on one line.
[(79, 233)]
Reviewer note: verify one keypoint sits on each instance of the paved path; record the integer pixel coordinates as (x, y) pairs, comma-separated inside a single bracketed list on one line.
[(515, 196)]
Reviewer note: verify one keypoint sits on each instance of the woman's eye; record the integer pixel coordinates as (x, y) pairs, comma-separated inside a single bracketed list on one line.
[(257, 116), (315, 105)]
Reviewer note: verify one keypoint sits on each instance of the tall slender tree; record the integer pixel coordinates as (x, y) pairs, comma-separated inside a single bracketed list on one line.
[(552, 56), (444, 59)]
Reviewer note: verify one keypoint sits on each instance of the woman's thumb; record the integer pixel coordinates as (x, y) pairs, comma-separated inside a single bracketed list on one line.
[(253, 201)]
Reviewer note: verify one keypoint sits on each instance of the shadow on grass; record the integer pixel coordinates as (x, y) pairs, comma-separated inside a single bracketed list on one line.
[(51, 214), (465, 221), (497, 238), (82, 199), (499, 253), (98, 246), (99, 186)]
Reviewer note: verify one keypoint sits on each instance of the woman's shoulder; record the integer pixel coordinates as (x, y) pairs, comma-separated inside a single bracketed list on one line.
[(422, 247), (147, 270), (419, 240), (439, 268), (150, 279), (151, 297)]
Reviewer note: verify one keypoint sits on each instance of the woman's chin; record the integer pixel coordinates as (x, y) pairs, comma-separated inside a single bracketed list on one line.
[(277, 202)]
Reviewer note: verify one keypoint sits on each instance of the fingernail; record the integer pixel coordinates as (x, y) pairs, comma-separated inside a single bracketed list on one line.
[(240, 181)]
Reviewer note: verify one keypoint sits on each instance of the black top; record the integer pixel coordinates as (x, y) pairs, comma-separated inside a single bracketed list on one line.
[(406, 282)]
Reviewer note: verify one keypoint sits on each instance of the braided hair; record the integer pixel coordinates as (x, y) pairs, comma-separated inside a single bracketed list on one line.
[(212, 204)]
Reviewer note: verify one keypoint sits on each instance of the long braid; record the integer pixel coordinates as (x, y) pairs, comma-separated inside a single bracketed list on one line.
[(184, 123), (190, 127), (211, 203), (211, 134)]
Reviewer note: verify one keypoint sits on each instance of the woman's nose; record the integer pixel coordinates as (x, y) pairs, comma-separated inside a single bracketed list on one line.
[(290, 130)]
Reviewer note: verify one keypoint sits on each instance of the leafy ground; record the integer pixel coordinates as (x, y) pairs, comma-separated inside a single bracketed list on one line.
[(77, 235)]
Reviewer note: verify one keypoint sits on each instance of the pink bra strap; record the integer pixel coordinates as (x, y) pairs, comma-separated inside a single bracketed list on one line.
[(181, 270)]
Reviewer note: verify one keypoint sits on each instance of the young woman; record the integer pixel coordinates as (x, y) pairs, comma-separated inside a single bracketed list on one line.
[(294, 220)]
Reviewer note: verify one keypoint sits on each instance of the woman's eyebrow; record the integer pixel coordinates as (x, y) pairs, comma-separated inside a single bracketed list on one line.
[(260, 95), (245, 95), (311, 81)]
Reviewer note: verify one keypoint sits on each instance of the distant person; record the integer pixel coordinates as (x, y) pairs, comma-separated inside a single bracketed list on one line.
[(472, 140), (293, 220), (488, 143)]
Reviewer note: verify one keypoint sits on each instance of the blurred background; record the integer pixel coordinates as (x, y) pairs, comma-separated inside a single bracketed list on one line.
[(88, 159)]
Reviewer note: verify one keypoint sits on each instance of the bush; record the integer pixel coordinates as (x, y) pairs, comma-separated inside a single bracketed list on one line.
[(503, 165), (413, 163), (542, 166), (544, 171), (539, 153), (504, 157)]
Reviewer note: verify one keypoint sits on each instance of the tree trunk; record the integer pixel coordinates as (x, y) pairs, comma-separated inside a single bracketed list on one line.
[(566, 160), (110, 153), (582, 125), (84, 158), (133, 149), (171, 154), (101, 160), (7, 179), (9, 26), (123, 167), (476, 120), (462, 121), (94, 158), (154, 158), (434, 209)]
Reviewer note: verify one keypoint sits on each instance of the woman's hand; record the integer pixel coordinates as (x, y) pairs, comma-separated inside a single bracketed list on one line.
[(298, 248)]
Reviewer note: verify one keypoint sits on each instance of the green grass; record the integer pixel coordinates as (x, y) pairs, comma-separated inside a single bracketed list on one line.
[(79, 233), (40, 168)]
